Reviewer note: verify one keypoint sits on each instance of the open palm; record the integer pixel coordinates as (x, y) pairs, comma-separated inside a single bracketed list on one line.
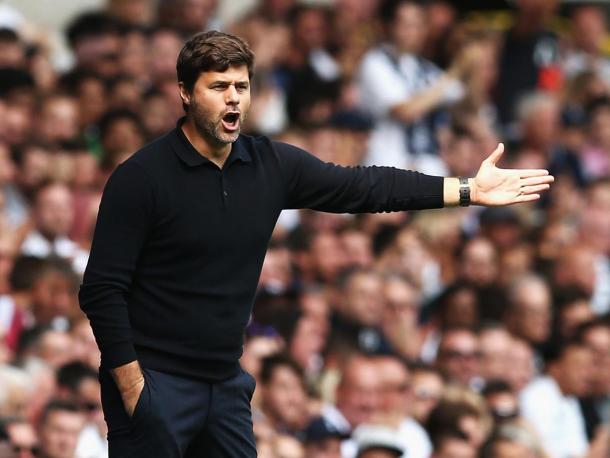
[(494, 186)]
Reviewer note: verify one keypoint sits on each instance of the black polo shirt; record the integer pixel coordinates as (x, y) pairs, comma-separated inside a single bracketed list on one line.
[(179, 243)]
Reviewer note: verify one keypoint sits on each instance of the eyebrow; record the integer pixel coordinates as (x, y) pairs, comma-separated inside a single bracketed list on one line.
[(227, 83)]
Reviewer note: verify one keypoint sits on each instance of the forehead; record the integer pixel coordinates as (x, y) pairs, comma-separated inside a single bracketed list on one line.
[(231, 74)]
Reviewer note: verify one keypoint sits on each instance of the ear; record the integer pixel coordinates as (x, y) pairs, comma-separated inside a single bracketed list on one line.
[(184, 94)]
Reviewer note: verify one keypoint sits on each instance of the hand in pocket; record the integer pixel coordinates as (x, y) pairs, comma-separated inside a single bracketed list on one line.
[(132, 396)]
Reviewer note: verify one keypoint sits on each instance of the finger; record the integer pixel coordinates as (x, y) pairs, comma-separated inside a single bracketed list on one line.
[(526, 173), (526, 198), (495, 156), (534, 189), (533, 181)]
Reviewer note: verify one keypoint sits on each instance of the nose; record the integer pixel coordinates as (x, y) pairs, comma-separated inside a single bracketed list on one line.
[(231, 95)]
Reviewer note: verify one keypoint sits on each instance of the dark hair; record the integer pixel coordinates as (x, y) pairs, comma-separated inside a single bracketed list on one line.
[(496, 386), (57, 405), (9, 35), (72, 374), (91, 24), (273, 362), (212, 51), (389, 8)]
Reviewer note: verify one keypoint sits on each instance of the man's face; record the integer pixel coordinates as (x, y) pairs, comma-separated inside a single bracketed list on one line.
[(284, 398), (358, 395), (326, 448), (59, 434), (459, 356), (219, 103), (575, 373), (23, 440), (408, 30)]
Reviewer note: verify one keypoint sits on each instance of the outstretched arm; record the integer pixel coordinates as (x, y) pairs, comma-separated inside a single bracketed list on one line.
[(494, 187)]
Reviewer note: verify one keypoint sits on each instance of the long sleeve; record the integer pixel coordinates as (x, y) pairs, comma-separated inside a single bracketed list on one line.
[(312, 183), (123, 224)]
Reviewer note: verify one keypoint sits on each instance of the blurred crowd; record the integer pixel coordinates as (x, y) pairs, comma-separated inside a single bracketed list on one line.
[(454, 333)]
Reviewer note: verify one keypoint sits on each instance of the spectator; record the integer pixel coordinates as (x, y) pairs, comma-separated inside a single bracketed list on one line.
[(511, 440), (550, 402), (408, 117), (322, 440), (54, 216), (595, 334), (95, 39), (502, 401), (22, 437), (396, 395), (428, 385), (283, 396), (357, 398), (60, 426), (529, 313), (459, 357), (495, 343), (357, 322), (453, 444), (520, 70)]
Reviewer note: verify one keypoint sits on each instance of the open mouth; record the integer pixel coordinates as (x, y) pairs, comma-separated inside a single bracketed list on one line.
[(230, 121)]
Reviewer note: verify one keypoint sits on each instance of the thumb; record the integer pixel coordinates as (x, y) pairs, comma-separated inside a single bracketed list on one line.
[(494, 157)]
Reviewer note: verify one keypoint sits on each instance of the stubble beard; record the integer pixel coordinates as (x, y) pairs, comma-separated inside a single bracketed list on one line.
[(210, 129)]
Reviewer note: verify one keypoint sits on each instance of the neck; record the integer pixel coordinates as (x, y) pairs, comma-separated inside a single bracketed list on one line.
[(217, 152)]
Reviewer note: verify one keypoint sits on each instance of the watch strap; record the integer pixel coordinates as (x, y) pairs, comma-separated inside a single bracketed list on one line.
[(464, 192)]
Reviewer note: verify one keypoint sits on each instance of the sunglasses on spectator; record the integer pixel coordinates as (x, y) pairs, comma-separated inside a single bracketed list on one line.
[(34, 450), (423, 394), (456, 354), (89, 406)]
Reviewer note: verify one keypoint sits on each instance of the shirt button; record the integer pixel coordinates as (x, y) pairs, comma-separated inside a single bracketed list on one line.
[(226, 194)]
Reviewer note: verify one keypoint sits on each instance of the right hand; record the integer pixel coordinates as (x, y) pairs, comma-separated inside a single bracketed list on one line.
[(129, 379), (131, 397)]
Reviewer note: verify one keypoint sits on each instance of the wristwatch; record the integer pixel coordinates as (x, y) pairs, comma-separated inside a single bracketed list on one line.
[(464, 192)]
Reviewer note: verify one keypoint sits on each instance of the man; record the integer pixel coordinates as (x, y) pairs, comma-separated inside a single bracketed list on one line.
[(22, 437), (180, 239), (405, 93), (396, 400), (60, 426), (550, 402), (459, 357), (283, 395), (529, 313), (322, 439)]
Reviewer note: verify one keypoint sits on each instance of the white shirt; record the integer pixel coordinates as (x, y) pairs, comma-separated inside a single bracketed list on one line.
[(91, 444), (385, 82), (38, 246), (555, 417)]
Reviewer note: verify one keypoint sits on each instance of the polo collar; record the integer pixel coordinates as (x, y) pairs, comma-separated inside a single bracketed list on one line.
[(191, 157)]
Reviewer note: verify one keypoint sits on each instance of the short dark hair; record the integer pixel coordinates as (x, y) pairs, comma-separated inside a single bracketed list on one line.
[(212, 51), (275, 361), (57, 405), (72, 374), (91, 24), (389, 8)]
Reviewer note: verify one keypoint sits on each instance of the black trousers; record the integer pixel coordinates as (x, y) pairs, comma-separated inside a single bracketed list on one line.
[(180, 417)]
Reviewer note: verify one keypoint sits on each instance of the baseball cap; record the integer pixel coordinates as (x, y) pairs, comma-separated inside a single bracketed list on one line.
[(377, 437), (320, 429)]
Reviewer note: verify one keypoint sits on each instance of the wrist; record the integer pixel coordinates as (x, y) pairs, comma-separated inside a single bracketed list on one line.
[(474, 198), (465, 191)]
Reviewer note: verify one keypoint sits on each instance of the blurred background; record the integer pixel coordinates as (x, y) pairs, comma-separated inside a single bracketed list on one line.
[(453, 333)]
